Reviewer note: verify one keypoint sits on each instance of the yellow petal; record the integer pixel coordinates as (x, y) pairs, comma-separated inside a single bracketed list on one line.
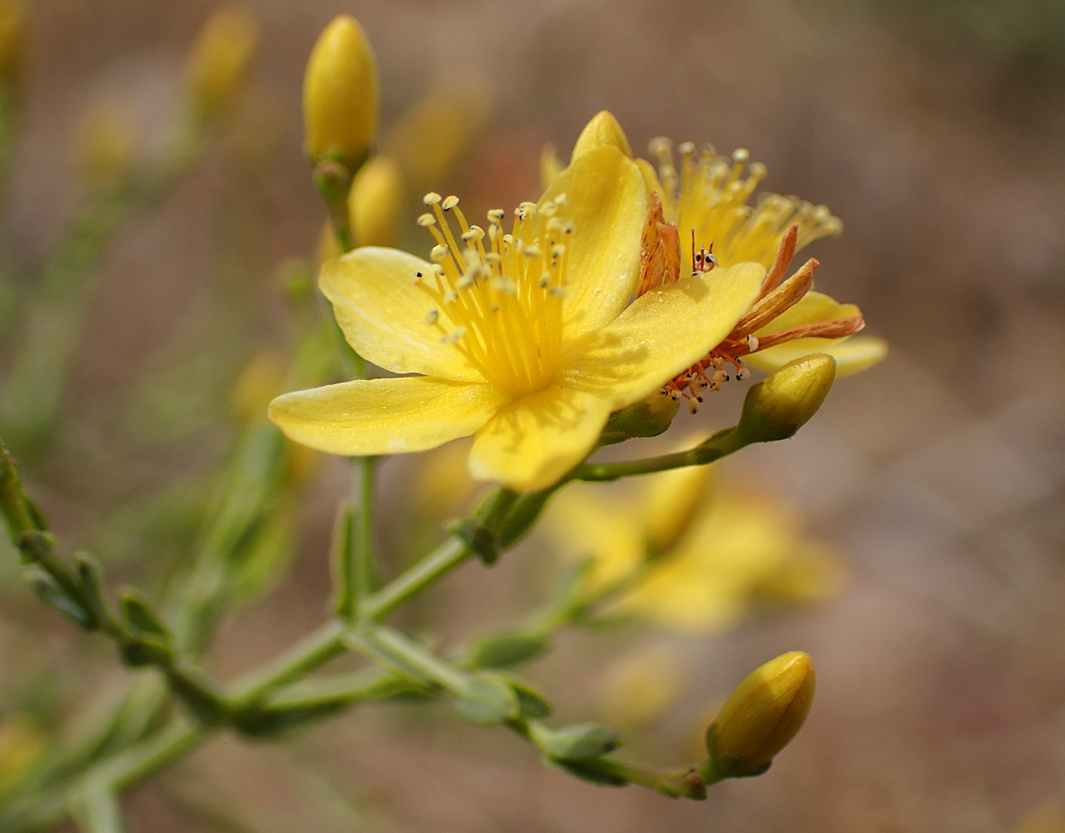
[(384, 416), (608, 207), (383, 314), (531, 442), (661, 334), (852, 355), (813, 306)]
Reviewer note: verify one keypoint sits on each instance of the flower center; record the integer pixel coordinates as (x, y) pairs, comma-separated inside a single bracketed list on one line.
[(498, 296), (709, 194)]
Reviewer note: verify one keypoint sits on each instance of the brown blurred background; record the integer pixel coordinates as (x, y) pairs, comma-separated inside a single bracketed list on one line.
[(935, 130)]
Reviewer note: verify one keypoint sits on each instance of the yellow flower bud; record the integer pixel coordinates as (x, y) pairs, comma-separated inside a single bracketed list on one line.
[(603, 129), (104, 144), (12, 42), (340, 95), (647, 418), (430, 139), (218, 63), (375, 203), (761, 717), (779, 406)]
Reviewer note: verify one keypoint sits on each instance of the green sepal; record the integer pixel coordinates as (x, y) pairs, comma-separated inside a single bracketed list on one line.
[(531, 704), (587, 772), (580, 742), (507, 650), (57, 598), (478, 537), (488, 700)]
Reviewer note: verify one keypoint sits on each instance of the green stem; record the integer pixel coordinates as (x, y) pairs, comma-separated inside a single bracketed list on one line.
[(407, 656), (719, 445), (99, 811), (316, 649), (364, 569)]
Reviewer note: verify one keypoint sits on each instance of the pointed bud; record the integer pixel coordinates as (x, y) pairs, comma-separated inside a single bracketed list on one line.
[(218, 63), (340, 95), (761, 717), (779, 406), (603, 129), (375, 203)]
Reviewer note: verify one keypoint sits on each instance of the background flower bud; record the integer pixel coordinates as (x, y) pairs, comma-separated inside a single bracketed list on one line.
[(218, 63), (761, 716), (779, 406), (12, 43), (375, 203), (340, 95)]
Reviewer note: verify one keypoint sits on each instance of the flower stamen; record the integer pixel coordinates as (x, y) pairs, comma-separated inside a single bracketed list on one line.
[(500, 305)]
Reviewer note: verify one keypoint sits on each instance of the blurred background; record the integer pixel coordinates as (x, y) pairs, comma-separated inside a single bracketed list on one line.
[(934, 130)]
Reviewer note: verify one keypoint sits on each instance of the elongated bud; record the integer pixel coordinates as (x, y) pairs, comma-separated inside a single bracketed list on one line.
[(375, 203), (603, 129), (340, 95), (217, 65), (779, 406), (761, 717)]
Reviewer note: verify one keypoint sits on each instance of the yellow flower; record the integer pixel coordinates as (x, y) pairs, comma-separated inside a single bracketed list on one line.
[(527, 340), (705, 202), (699, 555)]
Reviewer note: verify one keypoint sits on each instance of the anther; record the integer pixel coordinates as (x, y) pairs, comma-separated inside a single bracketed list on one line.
[(426, 220), (449, 203), (432, 317), (752, 342), (432, 198), (438, 253)]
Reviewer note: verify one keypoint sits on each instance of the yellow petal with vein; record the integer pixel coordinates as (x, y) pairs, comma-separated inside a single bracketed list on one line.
[(661, 334), (383, 314), (531, 442), (384, 416), (608, 206)]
